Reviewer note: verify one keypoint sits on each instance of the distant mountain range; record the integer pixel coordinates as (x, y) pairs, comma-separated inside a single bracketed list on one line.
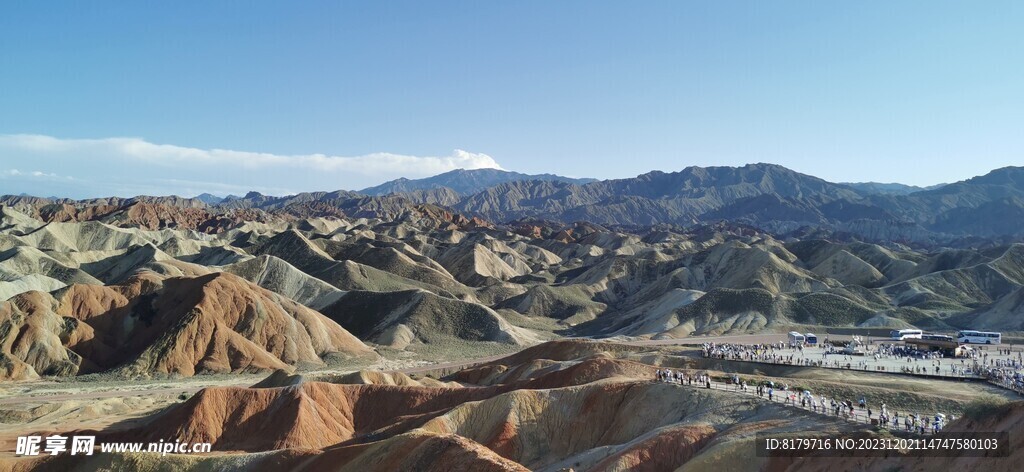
[(770, 197), (888, 188), (767, 196), (465, 182), (209, 199)]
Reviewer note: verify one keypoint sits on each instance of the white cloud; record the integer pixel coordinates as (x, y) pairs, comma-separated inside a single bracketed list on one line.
[(171, 155), (36, 174), (110, 165)]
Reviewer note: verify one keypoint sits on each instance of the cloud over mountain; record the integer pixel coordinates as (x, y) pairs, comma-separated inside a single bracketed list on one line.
[(133, 165)]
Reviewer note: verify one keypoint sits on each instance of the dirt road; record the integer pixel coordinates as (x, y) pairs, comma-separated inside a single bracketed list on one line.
[(188, 386)]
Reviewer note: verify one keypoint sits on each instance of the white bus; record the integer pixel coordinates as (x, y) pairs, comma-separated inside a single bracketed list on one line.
[(899, 335), (796, 339), (979, 337), (811, 339)]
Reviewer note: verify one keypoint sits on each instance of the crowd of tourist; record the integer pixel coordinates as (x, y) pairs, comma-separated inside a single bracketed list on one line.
[(847, 409), (780, 353), (681, 378), (909, 353), (1007, 373), (974, 363)]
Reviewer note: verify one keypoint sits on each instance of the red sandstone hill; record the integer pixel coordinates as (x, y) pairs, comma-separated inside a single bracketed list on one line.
[(319, 414), (311, 415), (152, 216), (377, 427), (155, 213), (150, 324), (587, 410)]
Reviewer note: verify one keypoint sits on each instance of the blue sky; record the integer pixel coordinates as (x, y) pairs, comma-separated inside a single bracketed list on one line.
[(183, 97)]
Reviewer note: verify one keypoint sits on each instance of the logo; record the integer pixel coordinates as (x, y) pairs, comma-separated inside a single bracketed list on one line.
[(56, 444)]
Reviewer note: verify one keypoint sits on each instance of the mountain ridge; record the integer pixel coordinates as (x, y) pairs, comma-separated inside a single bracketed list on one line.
[(463, 181), (767, 196)]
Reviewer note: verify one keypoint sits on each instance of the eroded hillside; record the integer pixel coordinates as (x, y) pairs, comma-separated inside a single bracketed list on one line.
[(94, 297)]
